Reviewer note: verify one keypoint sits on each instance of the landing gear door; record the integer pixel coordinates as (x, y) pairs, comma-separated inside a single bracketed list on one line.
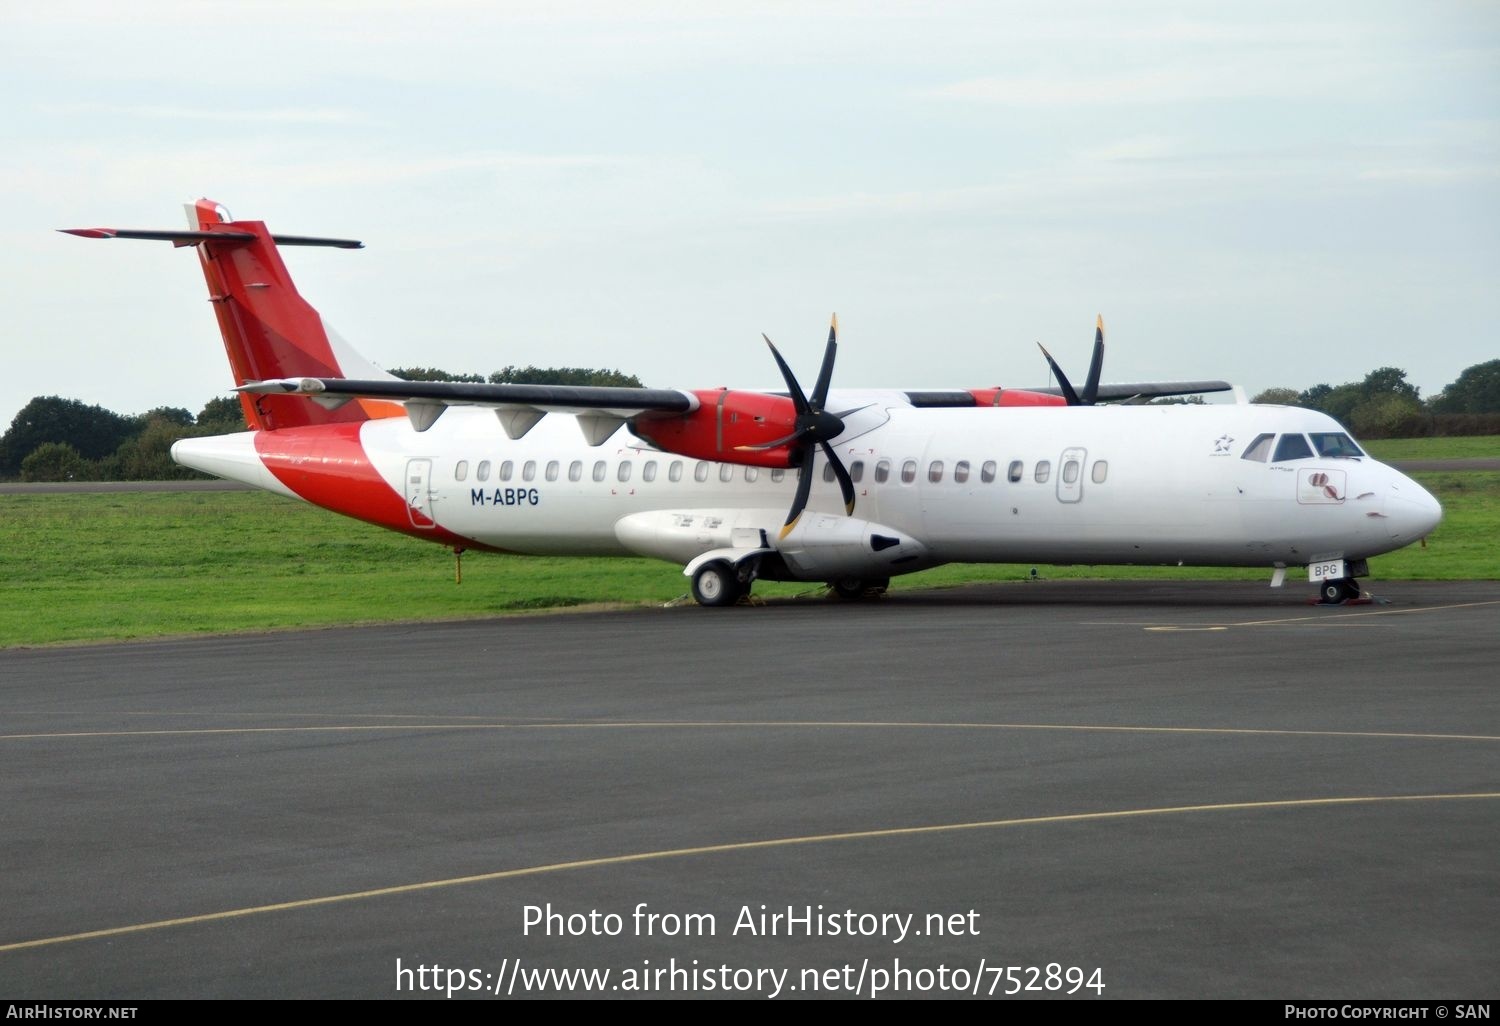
[(419, 493), (1070, 475)]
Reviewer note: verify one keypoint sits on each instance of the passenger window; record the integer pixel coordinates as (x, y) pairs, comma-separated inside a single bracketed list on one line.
[(506, 469), (987, 472), (575, 470), (600, 469), (1259, 449), (460, 470), (482, 472), (726, 472), (857, 471), (552, 468), (752, 473), (1015, 471), (674, 472), (700, 472), (828, 472), (1292, 447), (1070, 472), (935, 471), (528, 472), (961, 471), (1043, 471), (648, 472), (882, 471), (1101, 471), (778, 474), (908, 471), (624, 472)]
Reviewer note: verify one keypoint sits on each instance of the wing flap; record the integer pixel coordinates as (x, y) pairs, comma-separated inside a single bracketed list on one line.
[(1152, 389)]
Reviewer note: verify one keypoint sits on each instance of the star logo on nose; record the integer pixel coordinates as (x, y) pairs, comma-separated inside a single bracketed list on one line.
[(1222, 444)]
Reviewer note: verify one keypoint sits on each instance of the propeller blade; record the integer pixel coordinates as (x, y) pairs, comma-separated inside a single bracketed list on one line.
[(804, 488), (815, 427), (1091, 386), (1062, 379), (846, 485), (825, 373), (799, 401)]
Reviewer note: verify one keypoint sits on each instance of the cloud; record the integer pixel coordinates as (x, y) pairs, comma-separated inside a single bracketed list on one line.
[(1283, 76), (284, 116), (1432, 174)]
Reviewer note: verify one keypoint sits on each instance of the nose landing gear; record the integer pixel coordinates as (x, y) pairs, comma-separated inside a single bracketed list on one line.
[(1336, 593)]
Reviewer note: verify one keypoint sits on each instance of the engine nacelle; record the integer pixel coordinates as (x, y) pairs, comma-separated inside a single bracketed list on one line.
[(724, 420), (1015, 397)]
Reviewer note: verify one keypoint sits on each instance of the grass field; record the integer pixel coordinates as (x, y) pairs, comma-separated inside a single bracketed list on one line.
[(1434, 448), (80, 567)]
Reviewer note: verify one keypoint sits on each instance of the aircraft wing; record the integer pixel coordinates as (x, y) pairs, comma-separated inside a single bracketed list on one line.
[(599, 409), (1129, 392), (1149, 390)]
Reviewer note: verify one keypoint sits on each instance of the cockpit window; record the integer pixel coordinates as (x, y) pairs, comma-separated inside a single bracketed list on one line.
[(1334, 444), (1292, 447), (1259, 449)]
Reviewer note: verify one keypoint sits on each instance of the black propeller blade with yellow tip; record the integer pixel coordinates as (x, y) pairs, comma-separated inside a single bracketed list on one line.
[(1090, 392), (814, 428)]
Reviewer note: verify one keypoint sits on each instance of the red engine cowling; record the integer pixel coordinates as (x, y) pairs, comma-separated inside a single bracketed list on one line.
[(724, 420), (1014, 397)]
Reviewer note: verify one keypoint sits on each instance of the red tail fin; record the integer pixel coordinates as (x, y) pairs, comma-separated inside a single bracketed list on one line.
[(269, 330)]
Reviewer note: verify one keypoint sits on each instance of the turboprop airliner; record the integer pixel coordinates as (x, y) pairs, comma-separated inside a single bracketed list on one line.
[(844, 486)]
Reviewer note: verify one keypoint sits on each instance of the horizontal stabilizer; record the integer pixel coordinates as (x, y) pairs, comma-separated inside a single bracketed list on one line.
[(185, 237)]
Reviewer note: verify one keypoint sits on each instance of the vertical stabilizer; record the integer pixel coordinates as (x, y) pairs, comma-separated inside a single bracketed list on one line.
[(269, 330)]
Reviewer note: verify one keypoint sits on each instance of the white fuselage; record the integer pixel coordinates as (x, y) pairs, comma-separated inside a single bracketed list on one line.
[(1102, 485)]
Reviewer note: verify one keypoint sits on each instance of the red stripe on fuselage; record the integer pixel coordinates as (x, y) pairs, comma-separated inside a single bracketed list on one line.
[(327, 465)]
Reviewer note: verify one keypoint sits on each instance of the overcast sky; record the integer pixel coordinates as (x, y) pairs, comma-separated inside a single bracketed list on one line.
[(1273, 193)]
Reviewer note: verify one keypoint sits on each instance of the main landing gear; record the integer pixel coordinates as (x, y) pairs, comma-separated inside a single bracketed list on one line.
[(853, 589), (721, 583)]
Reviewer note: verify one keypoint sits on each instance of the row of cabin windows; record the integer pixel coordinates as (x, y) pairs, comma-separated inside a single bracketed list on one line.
[(936, 471), (963, 470), (600, 472)]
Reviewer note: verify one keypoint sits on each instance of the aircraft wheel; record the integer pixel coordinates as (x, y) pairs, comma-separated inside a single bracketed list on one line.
[(852, 589), (717, 584), (1336, 593)]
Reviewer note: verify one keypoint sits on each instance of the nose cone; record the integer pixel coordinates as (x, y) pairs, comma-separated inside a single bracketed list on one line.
[(1411, 511)]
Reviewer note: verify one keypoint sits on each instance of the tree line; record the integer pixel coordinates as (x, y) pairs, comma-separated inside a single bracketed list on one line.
[(57, 439), (1386, 405)]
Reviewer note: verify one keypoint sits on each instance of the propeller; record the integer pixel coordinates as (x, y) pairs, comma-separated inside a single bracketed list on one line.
[(813, 429), (1091, 386)]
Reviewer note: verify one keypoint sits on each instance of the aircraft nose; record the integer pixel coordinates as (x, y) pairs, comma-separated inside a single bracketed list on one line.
[(1411, 511)]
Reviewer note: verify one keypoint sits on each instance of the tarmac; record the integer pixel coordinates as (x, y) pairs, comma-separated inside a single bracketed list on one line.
[(1072, 789)]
